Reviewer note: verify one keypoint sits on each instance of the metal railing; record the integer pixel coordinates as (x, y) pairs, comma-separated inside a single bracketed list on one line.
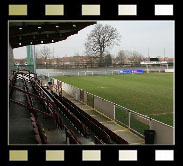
[(132, 120), (90, 99)]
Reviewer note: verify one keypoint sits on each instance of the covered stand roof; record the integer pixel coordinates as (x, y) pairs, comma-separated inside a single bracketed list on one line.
[(33, 33)]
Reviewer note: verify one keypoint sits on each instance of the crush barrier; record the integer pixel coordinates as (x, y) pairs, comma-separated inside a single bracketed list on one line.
[(132, 120)]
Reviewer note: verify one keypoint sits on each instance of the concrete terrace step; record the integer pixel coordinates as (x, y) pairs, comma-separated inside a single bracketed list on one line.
[(120, 130)]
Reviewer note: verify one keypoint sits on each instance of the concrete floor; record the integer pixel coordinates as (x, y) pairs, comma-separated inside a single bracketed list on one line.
[(20, 126)]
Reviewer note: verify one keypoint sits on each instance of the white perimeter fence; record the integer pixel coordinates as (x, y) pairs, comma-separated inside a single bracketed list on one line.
[(129, 118), (83, 73), (169, 70), (99, 72)]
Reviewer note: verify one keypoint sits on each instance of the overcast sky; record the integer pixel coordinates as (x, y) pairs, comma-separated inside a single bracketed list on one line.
[(135, 36)]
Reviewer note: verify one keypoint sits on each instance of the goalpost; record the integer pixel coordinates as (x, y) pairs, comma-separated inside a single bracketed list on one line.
[(84, 73), (154, 64), (56, 74)]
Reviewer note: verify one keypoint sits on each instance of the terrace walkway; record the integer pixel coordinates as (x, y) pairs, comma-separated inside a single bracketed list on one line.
[(123, 132), (20, 125)]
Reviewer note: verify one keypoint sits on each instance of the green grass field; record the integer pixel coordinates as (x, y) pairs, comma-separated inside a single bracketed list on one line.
[(148, 94)]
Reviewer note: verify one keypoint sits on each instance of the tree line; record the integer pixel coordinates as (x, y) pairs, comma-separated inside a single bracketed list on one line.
[(98, 44)]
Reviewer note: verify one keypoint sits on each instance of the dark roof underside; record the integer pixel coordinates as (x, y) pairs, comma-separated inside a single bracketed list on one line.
[(33, 33)]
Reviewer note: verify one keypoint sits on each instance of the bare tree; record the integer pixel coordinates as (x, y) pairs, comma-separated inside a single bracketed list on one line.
[(101, 38), (44, 53), (136, 57), (90, 57), (121, 56)]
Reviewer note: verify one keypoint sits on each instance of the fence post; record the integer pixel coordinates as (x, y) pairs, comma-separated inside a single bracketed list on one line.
[(93, 101), (150, 123), (80, 94), (129, 118), (114, 112), (87, 98)]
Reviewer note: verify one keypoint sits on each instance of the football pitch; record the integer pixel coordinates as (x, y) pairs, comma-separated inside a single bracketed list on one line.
[(149, 94)]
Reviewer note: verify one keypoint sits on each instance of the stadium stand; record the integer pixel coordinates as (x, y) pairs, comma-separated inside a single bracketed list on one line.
[(113, 136), (72, 137), (73, 119), (101, 131), (60, 122), (69, 120), (98, 141), (42, 132)]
